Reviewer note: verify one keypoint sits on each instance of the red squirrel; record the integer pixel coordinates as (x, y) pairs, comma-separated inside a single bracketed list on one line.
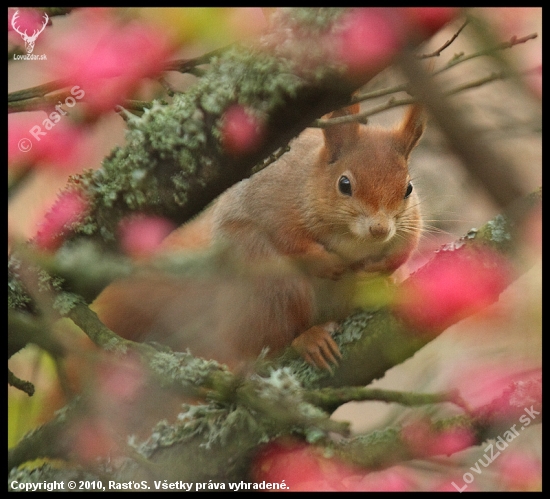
[(338, 205)]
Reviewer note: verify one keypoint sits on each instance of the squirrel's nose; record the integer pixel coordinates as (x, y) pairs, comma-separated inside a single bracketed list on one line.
[(379, 230)]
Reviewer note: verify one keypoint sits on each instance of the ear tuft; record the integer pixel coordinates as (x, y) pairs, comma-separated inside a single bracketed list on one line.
[(412, 128), (338, 136)]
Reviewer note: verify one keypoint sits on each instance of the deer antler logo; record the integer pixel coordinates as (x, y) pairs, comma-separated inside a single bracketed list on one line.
[(29, 40)]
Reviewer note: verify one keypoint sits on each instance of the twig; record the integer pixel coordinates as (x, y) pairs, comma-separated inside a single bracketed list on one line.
[(406, 101), (501, 46), (437, 52), (181, 65), (454, 62), (332, 398), (38, 91), (362, 117), (464, 137), (379, 93), (185, 65), (478, 83), (271, 159), (24, 386), (101, 335), (170, 90)]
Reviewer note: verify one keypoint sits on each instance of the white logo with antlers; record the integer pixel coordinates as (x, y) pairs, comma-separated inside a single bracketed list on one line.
[(29, 40)]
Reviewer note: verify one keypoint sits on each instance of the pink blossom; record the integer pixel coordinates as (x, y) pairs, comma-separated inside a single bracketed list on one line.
[(423, 440), (93, 439), (451, 440), (428, 20), (122, 396), (302, 468), (520, 471), (28, 21), (480, 385), (370, 37), (20, 144), (453, 285), (141, 236), (108, 60), (242, 132), (51, 140), (120, 381), (68, 209)]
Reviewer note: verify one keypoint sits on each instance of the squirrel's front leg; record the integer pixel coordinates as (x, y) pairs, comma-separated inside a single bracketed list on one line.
[(319, 262), (317, 347)]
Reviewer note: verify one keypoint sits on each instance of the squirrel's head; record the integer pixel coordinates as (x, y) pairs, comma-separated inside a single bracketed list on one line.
[(368, 190)]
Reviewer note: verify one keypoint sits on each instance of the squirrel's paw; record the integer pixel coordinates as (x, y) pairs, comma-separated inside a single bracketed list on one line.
[(333, 272), (317, 347), (319, 262)]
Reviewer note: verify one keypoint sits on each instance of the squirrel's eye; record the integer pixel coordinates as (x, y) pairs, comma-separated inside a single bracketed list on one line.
[(344, 185), (409, 190)]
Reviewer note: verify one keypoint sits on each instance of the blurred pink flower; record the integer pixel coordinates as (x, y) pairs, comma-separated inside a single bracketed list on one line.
[(521, 399), (242, 133), (369, 38), (483, 384), (68, 209), (119, 380), (428, 20), (123, 399), (141, 235), (28, 21), (301, 467), (92, 439), (520, 471), (423, 440), (108, 60), (48, 141), (453, 285)]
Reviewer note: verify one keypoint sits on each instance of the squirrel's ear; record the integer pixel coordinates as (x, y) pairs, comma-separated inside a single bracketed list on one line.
[(411, 129), (337, 136)]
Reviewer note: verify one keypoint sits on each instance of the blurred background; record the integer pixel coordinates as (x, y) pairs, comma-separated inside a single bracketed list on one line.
[(479, 355)]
